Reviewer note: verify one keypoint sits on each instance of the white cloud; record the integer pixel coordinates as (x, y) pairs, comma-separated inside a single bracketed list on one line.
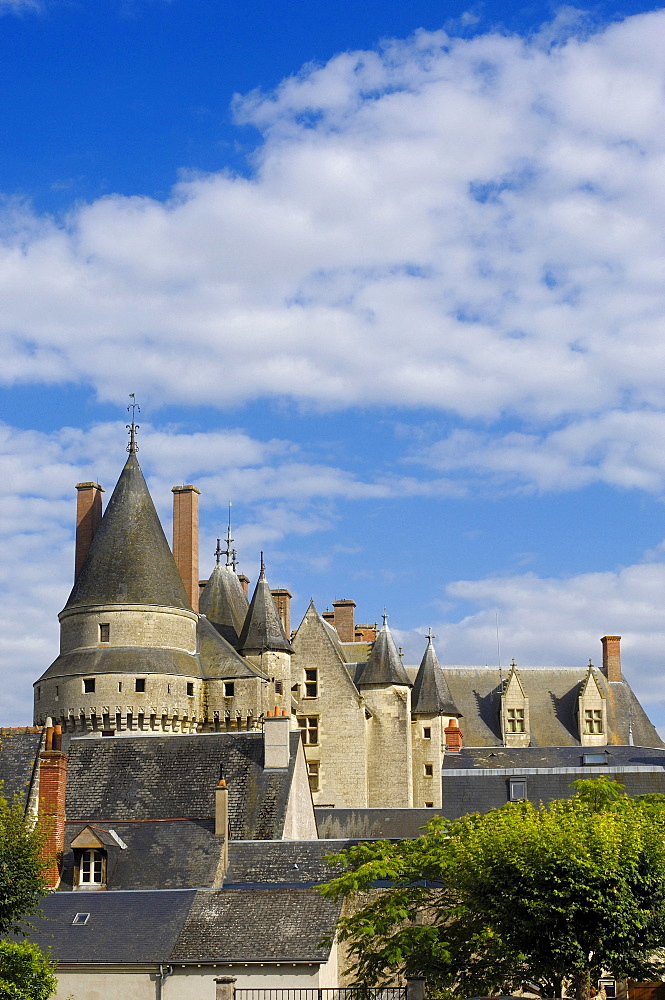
[(557, 622), (472, 225)]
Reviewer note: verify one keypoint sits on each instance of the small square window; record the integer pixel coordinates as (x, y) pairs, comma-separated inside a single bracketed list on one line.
[(594, 759), (88, 685), (139, 685), (229, 689), (104, 633), (427, 732), (518, 789), (429, 770), (429, 805), (313, 775), (190, 689), (309, 727), (311, 682)]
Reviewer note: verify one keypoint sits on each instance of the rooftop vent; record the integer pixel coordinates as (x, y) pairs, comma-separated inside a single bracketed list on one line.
[(81, 918)]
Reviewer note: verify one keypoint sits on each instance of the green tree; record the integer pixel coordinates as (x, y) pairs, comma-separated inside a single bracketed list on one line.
[(521, 896), (25, 972), (23, 870)]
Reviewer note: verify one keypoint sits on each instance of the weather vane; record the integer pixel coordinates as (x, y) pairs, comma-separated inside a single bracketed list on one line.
[(133, 427)]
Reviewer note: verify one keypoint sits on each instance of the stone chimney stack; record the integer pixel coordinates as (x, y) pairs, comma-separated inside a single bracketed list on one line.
[(88, 516), (52, 791), (282, 599), (222, 818), (186, 539), (276, 742), (344, 615), (612, 657), (453, 735)]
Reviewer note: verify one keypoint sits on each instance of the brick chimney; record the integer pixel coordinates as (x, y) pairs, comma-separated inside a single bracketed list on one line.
[(453, 735), (282, 599), (344, 614), (88, 516), (52, 790), (186, 539), (276, 742), (329, 616), (612, 657)]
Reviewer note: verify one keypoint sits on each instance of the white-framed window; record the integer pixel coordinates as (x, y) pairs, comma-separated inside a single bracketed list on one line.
[(517, 789), (515, 720), (91, 867), (427, 732), (309, 727), (311, 682)]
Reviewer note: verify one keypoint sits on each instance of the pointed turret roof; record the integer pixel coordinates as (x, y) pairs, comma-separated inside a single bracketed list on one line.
[(431, 694), (262, 629), (129, 561), (224, 603), (384, 665)]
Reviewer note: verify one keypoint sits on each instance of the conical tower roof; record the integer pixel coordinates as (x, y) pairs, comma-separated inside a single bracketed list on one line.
[(431, 694), (263, 629), (384, 665), (129, 561), (224, 604)]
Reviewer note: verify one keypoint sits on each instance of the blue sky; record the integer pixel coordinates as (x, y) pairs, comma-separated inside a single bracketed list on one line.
[(389, 277)]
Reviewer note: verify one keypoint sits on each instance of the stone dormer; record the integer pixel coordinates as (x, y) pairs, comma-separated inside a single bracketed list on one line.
[(515, 723), (591, 712)]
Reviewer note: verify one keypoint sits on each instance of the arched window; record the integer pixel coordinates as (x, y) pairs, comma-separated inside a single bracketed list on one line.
[(91, 868)]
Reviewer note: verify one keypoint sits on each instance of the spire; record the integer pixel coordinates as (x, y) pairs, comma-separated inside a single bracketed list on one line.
[(384, 665), (223, 601), (262, 629), (129, 561), (431, 694)]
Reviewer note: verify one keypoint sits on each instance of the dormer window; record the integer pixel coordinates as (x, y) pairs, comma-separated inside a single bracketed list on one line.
[(593, 720), (515, 725), (92, 868), (515, 720)]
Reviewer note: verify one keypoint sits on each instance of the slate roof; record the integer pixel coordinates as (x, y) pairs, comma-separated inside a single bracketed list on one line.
[(384, 665), (290, 862), (553, 693), (224, 603), (262, 629), (125, 660), (478, 779), (257, 925), (174, 777), (19, 749), (181, 854), (217, 656), (123, 927), (431, 695), (129, 561)]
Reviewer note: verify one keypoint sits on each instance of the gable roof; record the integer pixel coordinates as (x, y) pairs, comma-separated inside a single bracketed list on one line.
[(174, 778), (262, 629), (384, 665), (129, 561), (430, 695), (224, 603), (553, 694), (257, 925)]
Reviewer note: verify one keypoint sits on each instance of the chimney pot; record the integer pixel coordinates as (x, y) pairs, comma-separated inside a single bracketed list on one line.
[(453, 736)]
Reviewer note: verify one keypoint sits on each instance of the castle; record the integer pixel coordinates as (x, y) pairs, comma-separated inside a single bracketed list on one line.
[(148, 648)]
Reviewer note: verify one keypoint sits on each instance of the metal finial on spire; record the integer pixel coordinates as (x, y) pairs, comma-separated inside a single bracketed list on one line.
[(229, 551), (132, 447), (234, 560), (218, 551), (430, 635), (385, 618), (512, 662), (263, 566)]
